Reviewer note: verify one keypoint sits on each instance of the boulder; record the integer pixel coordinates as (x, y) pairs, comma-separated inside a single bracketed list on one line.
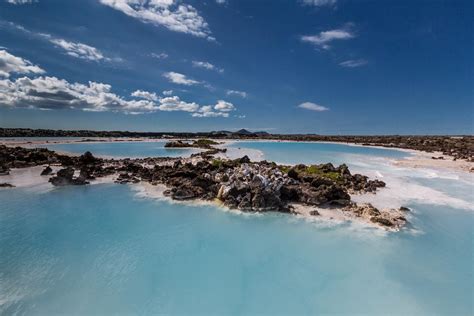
[(183, 194), (290, 193), (244, 159), (382, 221), (63, 177), (318, 181), (47, 171), (246, 202), (292, 173), (87, 158)]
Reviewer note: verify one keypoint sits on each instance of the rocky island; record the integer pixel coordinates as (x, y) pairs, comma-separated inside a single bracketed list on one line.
[(238, 184)]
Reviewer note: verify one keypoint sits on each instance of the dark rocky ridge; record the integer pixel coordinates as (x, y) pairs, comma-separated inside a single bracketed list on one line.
[(458, 147), (242, 184)]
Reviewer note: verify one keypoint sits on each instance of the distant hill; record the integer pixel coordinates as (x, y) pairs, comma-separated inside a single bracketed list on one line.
[(243, 131)]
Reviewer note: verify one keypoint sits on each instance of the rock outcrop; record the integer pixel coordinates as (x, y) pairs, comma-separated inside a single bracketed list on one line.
[(66, 177), (47, 171), (386, 218), (242, 184)]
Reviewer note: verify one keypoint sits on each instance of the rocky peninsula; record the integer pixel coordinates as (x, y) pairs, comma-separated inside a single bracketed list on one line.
[(237, 184)]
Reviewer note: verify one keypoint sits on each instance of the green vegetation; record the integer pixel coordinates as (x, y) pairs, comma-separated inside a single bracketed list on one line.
[(217, 163), (317, 171), (313, 170), (285, 169)]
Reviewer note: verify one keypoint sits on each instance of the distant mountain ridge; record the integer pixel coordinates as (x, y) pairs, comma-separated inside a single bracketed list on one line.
[(242, 132)]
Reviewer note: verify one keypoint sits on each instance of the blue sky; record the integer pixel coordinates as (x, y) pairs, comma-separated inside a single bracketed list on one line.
[(294, 66)]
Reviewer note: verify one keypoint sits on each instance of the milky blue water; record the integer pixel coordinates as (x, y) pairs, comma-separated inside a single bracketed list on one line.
[(104, 249), (307, 153), (124, 149)]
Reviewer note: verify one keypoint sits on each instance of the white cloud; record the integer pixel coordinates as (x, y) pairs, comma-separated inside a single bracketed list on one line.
[(145, 95), (178, 78), (207, 65), (159, 56), (241, 94), (220, 109), (175, 104), (224, 106), (51, 93), (54, 93), (48, 93), (207, 111), (13, 64), (74, 49), (313, 107), (174, 16), (354, 63), (319, 3), (221, 1), (20, 1), (324, 38), (77, 50)]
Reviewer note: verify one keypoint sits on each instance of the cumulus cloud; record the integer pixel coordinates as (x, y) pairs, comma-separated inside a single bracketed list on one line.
[(324, 38), (207, 111), (48, 93), (221, 1), (224, 106), (77, 50), (171, 14), (241, 94), (319, 3), (207, 65), (353, 63), (178, 78), (220, 109), (176, 104), (145, 95), (313, 107), (12, 64), (53, 93)]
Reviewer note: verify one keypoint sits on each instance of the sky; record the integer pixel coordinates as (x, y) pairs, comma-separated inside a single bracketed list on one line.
[(283, 66)]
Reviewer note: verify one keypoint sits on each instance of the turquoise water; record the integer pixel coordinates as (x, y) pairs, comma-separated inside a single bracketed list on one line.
[(105, 249), (307, 153), (124, 149)]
